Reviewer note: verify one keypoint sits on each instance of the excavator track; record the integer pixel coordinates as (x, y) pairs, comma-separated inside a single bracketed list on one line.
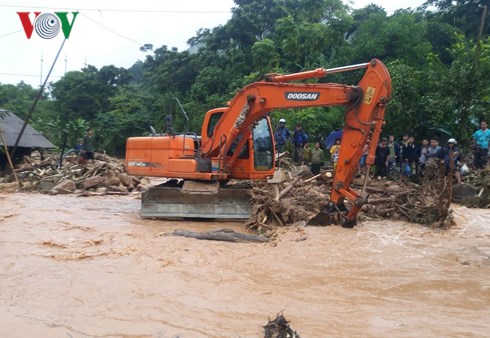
[(191, 199)]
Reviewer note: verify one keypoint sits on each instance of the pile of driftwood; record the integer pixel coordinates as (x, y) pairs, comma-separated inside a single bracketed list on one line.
[(298, 197), (104, 175), (475, 192), (279, 328), (426, 203)]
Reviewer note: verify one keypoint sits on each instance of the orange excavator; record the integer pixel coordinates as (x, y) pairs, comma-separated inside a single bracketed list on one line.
[(236, 142)]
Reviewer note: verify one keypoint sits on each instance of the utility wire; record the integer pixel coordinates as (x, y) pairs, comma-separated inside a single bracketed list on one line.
[(103, 26), (11, 33), (37, 75), (94, 21), (111, 30), (125, 10)]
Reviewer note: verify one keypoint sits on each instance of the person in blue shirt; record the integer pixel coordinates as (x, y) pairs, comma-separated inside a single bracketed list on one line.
[(281, 135), (76, 149), (299, 140), (481, 140), (78, 146)]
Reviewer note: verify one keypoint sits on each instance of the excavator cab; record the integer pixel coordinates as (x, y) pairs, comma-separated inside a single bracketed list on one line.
[(263, 148), (251, 154), (256, 157)]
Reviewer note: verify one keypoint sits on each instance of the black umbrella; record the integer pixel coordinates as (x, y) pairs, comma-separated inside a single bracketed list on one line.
[(438, 133)]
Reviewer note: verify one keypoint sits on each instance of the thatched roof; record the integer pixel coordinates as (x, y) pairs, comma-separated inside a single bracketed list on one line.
[(11, 125)]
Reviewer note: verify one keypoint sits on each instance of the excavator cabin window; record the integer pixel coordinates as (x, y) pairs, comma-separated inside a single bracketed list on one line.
[(212, 123), (263, 146)]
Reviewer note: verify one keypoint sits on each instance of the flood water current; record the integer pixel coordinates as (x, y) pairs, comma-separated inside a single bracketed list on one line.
[(90, 267)]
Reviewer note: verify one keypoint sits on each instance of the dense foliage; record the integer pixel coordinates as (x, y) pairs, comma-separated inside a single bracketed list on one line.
[(438, 56)]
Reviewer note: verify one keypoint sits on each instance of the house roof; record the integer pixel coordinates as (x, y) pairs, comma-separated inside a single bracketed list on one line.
[(11, 125)]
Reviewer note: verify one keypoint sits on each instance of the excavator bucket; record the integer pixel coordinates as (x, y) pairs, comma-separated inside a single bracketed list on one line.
[(332, 215), (324, 218), (195, 200)]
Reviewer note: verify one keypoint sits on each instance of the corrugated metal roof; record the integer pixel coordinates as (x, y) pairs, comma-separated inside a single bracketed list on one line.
[(11, 126)]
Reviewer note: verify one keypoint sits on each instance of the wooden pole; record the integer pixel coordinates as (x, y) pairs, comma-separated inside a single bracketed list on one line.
[(450, 176), (9, 159)]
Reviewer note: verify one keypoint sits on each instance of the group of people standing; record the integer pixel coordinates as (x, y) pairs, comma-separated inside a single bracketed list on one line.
[(299, 139), (406, 157), (302, 152)]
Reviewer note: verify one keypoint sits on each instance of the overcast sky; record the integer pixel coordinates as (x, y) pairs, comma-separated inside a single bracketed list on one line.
[(110, 32)]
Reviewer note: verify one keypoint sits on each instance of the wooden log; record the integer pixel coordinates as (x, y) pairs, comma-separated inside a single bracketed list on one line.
[(277, 218), (312, 178), (288, 189), (225, 235), (381, 200), (375, 190), (276, 191)]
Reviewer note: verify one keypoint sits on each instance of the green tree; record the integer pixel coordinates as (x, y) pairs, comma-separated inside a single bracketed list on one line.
[(463, 14), (458, 94), (404, 110), (17, 98), (399, 37), (128, 115), (265, 56), (20, 98)]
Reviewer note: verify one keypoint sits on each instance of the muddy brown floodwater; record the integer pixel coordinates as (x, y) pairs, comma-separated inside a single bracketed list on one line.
[(90, 267)]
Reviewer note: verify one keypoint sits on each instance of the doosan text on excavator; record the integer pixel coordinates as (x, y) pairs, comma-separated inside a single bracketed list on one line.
[(236, 142)]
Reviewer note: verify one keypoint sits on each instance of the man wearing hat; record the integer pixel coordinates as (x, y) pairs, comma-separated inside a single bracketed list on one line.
[(281, 135), (454, 154)]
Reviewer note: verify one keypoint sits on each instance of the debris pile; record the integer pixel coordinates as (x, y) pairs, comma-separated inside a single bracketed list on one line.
[(102, 176), (296, 198), (475, 193), (426, 203), (279, 328)]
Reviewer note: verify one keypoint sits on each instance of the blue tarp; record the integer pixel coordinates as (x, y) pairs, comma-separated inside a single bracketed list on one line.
[(329, 141)]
